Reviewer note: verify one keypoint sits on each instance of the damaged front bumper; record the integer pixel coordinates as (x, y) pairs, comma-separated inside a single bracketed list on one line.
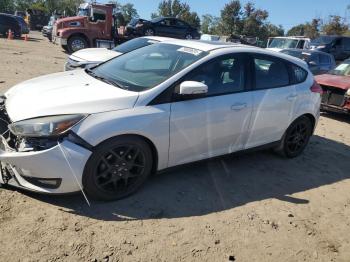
[(44, 171)]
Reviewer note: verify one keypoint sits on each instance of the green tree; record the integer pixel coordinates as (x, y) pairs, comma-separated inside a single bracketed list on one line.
[(210, 25), (335, 26), (298, 30), (129, 12), (7, 6), (311, 30), (273, 30), (175, 8), (230, 21)]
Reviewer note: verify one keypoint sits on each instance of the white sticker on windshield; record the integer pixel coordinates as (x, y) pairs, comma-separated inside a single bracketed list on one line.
[(189, 50)]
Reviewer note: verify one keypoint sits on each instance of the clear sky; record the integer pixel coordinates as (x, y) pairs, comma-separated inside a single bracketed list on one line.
[(285, 12)]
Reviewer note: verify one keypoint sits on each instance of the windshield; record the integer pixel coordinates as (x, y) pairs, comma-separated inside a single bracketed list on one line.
[(134, 44), (146, 67), (342, 70), (322, 40), (157, 19), (83, 12), (283, 43)]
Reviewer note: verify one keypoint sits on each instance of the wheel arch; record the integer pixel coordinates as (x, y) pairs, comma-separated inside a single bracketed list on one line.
[(147, 140), (80, 35)]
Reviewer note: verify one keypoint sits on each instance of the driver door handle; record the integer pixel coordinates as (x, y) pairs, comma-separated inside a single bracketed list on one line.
[(238, 106)]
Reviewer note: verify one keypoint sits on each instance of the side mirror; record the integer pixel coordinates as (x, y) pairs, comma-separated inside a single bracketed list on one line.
[(193, 88), (91, 13)]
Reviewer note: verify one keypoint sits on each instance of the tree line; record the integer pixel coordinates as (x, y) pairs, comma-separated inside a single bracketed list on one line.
[(234, 19)]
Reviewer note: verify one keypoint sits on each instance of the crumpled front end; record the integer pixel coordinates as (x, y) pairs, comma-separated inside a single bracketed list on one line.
[(40, 164)]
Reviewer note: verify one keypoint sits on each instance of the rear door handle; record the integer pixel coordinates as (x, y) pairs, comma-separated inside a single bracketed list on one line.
[(291, 97), (238, 106)]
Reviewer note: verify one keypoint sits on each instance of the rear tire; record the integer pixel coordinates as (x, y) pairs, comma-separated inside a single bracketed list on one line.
[(117, 168), (149, 32), (188, 37), (76, 43), (296, 138)]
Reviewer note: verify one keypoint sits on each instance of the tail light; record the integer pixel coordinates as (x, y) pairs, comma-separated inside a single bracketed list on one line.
[(316, 88)]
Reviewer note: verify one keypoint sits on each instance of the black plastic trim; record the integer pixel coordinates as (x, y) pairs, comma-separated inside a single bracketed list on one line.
[(74, 138)]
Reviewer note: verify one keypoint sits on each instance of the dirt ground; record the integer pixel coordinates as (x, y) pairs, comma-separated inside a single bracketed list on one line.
[(247, 207)]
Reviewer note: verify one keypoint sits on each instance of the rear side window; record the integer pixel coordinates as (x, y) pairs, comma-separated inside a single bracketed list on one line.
[(299, 75), (270, 73)]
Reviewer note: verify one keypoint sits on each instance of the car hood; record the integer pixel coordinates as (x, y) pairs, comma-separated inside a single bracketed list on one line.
[(342, 82), (94, 55), (65, 93)]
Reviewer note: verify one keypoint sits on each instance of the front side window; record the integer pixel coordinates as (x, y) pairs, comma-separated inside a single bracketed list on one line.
[(98, 15), (270, 73), (301, 44), (222, 75), (147, 67)]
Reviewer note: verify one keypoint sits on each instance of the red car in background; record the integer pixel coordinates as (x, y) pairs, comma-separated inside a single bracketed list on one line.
[(336, 88)]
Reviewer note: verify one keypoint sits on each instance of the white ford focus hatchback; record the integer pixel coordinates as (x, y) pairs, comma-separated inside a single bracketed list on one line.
[(104, 130)]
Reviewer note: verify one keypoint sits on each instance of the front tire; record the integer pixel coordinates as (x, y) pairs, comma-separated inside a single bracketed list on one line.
[(296, 137), (117, 168), (76, 43)]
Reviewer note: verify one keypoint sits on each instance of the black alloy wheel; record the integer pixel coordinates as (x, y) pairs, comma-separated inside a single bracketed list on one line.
[(117, 168), (297, 137)]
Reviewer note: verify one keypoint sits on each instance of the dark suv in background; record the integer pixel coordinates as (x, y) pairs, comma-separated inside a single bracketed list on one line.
[(338, 46), (9, 22), (162, 26)]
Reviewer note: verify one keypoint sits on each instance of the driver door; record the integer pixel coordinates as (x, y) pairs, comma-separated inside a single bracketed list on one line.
[(216, 123)]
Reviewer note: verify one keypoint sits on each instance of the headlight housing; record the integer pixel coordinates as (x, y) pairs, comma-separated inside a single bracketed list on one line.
[(348, 92), (49, 126)]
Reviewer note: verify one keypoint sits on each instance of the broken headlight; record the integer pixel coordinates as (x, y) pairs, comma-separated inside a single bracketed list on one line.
[(45, 126)]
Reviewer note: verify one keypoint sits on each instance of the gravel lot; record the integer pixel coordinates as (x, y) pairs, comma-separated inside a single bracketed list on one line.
[(246, 207)]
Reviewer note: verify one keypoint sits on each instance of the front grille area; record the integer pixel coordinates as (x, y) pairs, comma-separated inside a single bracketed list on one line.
[(333, 96), (4, 122)]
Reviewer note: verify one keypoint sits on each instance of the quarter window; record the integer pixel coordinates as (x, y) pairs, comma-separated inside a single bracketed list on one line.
[(222, 75), (299, 74), (270, 73)]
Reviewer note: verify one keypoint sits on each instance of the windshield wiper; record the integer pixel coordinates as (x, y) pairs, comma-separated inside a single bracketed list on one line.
[(103, 79)]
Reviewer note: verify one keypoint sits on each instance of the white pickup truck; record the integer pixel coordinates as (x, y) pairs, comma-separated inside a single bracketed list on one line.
[(286, 42)]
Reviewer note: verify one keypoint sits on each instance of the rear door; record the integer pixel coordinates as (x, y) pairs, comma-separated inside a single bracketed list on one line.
[(325, 63), (180, 28), (273, 97), (216, 123), (2, 24)]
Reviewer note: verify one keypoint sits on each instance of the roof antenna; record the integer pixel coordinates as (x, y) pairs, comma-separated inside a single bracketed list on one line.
[(73, 173)]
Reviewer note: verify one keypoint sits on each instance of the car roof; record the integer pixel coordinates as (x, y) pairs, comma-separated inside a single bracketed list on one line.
[(209, 46), (310, 51), (202, 45), (291, 37), (158, 38)]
